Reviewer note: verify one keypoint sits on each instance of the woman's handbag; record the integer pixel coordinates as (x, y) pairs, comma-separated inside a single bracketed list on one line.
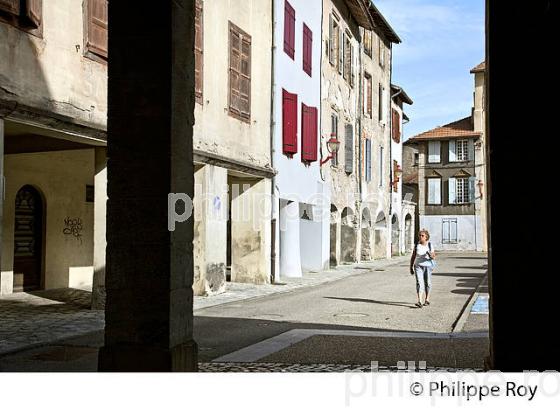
[(434, 264)]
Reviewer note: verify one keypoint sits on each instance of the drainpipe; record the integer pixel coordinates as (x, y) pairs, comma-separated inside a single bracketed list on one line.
[(275, 212), (360, 112)]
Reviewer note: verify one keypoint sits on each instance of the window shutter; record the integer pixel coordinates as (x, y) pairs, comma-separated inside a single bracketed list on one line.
[(199, 51), (381, 173), (289, 123), (453, 231), (434, 149), (334, 132), (471, 189), (369, 97), (307, 49), (331, 40), (309, 133), (234, 63), (349, 149), (452, 150), (380, 103), (289, 29), (434, 191), (97, 27), (10, 6), (396, 124), (452, 194), (245, 78), (471, 150), (340, 51), (34, 11), (368, 160), (446, 230)]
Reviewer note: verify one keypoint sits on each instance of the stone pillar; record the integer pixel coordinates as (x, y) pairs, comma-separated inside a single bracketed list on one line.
[(149, 270), (290, 258), (251, 232), (210, 230), (99, 229), (6, 280)]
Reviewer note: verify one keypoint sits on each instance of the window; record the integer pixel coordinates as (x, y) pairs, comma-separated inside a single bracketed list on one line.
[(368, 160), (458, 150), (335, 43), (199, 50), (461, 190), (381, 52), (27, 15), (289, 123), (90, 192), (308, 133), (348, 71), (416, 158), (349, 149), (381, 104), (396, 124), (368, 95), (449, 233), (434, 191), (289, 30), (334, 133), (434, 152), (381, 173), (239, 73), (97, 19), (307, 50), (368, 46)]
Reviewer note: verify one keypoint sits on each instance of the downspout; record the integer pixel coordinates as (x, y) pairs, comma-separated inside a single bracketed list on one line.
[(275, 212), (360, 112), (391, 139)]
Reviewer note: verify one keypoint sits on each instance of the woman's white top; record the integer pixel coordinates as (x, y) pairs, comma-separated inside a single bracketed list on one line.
[(421, 251)]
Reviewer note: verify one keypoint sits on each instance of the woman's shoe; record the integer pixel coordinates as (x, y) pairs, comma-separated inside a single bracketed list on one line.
[(427, 303), (418, 304)]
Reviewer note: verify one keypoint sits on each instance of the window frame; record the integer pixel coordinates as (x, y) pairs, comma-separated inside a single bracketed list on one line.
[(236, 112), (21, 22), (88, 51), (428, 179), (428, 153)]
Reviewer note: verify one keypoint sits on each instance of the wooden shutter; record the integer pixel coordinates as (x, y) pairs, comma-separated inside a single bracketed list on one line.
[(98, 19), (472, 197), (340, 49), (10, 6), (434, 191), (289, 123), (289, 29), (445, 231), (396, 123), (368, 160), (199, 51), (471, 150), (307, 49), (309, 133), (452, 150), (453, 237), (349, 148), (240, 73), (452, 188), (331, 48)]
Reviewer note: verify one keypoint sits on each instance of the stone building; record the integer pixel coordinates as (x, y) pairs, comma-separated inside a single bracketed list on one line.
[(232, 144), (53, 109), (355, 108), (447, 167)]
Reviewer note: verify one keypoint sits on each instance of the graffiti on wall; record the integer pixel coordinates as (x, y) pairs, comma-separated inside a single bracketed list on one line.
[(73, 226)]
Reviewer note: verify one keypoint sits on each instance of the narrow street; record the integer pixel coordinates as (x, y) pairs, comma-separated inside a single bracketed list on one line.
[(335, 323)]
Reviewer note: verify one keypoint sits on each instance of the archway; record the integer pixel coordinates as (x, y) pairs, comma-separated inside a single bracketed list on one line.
[(395, 236), (348, 236), (366, 231), (408, 232), (334, 246), (28, 240), (380, 236)]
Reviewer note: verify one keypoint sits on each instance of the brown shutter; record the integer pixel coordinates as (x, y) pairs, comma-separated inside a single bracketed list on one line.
[(199, 51), (240, 73), (97, 27), (10, 6), (370, 98), (234, 62), (34, 12)]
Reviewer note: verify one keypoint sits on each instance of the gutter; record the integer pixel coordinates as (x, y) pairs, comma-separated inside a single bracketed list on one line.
[(275, 212)]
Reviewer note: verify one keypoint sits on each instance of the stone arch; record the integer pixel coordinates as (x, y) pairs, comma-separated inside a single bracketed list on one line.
[(395, 236), (348, 236), (408, 232)]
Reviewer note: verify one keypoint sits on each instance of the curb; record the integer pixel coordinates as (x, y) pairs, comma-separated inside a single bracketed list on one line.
[(460, 323)]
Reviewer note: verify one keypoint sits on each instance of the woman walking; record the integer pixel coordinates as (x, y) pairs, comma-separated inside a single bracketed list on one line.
[(421, 265)]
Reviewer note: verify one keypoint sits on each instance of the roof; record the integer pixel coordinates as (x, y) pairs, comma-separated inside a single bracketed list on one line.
[(479, 68), (412, 178), (359, 11), (402, 94), (381, 25), (463, 128)]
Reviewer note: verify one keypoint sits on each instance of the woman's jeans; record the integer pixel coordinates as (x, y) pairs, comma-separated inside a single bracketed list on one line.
[(423, 278)]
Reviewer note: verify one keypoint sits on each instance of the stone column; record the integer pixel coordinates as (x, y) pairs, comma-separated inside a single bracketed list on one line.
[(99, 229), (149, 269)]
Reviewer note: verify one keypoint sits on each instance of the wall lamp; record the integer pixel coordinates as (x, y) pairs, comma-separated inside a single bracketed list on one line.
[(333, 144)]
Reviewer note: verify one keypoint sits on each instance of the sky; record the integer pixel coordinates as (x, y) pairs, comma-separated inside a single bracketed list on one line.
[(442, 40)]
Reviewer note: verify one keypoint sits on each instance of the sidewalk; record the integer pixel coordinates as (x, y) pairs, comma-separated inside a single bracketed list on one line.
[(39, 318)]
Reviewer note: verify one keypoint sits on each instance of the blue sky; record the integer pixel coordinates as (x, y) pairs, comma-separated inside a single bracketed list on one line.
[(441, 41)]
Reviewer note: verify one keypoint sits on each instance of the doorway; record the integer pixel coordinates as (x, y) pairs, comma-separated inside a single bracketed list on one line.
[(28, 240)]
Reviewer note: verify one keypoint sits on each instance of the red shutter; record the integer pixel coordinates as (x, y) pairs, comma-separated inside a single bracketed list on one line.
[(309, 133), (97, 27), (34, 11), (396, 126), (289, 29), (307, 49), (10, 6), (289, 123)]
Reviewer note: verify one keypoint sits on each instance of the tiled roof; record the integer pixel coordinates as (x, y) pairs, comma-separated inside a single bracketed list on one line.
[(479, 68), (457, 129)]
